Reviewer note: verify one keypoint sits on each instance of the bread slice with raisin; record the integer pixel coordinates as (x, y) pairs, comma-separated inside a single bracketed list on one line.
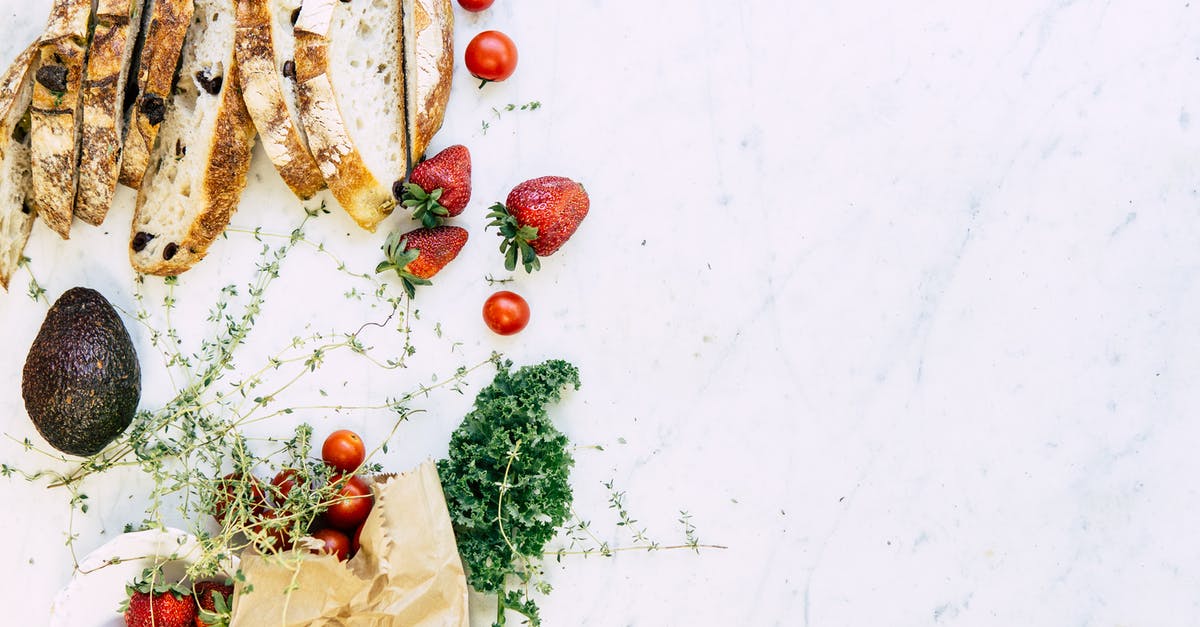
[(165, 24), (102, 127), (198, 169), (54, 122), (267, 74), (428, 69), (350, 80), (16, 179)]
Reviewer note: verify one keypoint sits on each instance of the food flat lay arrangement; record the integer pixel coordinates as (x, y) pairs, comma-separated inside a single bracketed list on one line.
[(485, 312)]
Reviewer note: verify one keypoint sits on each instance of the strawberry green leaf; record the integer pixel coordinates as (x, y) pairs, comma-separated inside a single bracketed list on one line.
[(426, 206), (514, 238), (397, 258)]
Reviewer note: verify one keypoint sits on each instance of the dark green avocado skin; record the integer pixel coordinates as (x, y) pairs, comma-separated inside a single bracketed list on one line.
[(81, 382)]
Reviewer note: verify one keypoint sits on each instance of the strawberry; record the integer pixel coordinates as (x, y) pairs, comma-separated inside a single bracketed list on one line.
[(215, 601), (158, 604), (418, 255), (541, 214), (439, 187)]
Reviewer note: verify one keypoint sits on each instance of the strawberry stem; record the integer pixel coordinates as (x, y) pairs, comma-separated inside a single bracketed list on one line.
[(426, 206), (514, 239), (397, 257)]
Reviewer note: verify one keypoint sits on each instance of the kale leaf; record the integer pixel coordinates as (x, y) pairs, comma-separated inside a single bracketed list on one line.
[(506, 479)]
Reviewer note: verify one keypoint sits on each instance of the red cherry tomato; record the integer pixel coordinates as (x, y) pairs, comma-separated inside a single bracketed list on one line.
[(492, 56), (275, 529), (351, 505), (475, 5), (344, 450), (284, 482), (506, 313), (336, 543), (240, 496)]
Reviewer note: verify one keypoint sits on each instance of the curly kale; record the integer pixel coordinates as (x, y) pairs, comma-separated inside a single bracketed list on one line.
[(506, 480)]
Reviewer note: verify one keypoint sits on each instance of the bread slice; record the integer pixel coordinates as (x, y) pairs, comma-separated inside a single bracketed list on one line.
[(55, 118), (198, 169), (267, 74), (101, 134), (16, 184), (349, 74), (428, 70), (165, 23)]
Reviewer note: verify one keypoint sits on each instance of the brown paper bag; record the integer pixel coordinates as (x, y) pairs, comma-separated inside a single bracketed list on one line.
[(406, 573)]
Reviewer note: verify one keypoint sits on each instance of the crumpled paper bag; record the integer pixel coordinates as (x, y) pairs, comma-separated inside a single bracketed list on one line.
[(407, 570)]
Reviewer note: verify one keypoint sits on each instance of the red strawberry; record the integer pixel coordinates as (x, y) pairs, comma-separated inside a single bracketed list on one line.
[(215, 601), (541, 215), (159, 606), (418, 255), (439, 187)]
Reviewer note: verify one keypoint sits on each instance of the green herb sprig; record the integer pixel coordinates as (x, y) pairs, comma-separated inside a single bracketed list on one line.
[(508, 441)]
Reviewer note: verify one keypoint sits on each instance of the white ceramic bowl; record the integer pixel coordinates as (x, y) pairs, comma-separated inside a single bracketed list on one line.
[(96, 591)]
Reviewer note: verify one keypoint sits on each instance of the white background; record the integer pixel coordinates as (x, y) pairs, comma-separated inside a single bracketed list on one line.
[(898, 299)]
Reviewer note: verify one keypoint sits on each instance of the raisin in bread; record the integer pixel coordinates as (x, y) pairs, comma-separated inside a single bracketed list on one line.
[(16, 184), (267, 74), (165, 23), (198, 169), (102, 126), (54, 123), (349, 74)]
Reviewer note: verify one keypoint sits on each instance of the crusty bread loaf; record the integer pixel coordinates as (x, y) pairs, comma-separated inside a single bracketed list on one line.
[(165, 24), (16, 184), (55, 117), (198, 169), (349, 73), (267, 74), (428, 69), (101, 134)]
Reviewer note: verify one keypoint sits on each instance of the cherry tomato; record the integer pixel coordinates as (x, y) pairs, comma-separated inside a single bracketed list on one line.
[(491, 56), (344, 450), (475, 5), (244, 496), (506, 313), (354, 543), (274, 527), (284, 482), (351, 504), (336, 543)]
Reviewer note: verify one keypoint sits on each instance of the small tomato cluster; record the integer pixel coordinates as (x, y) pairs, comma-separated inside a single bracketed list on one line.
[(329, 505)]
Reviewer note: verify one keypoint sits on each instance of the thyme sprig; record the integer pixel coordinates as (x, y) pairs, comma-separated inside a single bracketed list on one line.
[(188, 446)]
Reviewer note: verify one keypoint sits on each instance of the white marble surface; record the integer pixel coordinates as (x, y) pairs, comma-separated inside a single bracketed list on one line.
[(898, 299)]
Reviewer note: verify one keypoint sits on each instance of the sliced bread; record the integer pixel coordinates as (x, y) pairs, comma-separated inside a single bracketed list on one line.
[(165, 23), (428, 70), (16, 184), (349, 74), (267, 74), (102, 126), (54, 123), (198, 169)]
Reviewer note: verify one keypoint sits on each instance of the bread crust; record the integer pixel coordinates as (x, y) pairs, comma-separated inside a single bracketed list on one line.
[(223, 182), (55, 113), (263, 84), (103, 93), (432, 27), (356, 189), (16, 217), (164, 37)]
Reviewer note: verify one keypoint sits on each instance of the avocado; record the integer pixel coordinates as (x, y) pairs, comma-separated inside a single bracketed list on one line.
[(82, 382)]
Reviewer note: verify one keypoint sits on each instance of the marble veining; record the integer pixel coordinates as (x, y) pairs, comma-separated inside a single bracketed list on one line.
[(898, 300)]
